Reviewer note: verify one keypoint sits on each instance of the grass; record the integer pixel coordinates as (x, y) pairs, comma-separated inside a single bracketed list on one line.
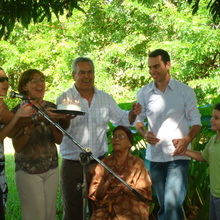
[(200, 183), (13, 211)]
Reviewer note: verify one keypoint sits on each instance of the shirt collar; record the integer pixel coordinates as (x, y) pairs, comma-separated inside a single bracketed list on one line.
[(170, 85), (76, 91)]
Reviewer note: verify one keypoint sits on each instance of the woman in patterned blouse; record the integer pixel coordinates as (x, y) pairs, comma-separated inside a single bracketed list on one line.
[(36, 158)]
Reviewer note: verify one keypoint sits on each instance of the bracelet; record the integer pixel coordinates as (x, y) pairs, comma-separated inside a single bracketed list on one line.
[(25, 132), (34, 118)]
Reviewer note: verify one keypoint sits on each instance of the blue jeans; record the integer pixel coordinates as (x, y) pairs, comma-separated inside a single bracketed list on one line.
[(170, 180), (214, 208)]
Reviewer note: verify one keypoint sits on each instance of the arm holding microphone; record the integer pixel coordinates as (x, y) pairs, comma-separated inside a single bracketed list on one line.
[(29, 126), (11, 120), (35, 117), (21, 139), (22, 122)]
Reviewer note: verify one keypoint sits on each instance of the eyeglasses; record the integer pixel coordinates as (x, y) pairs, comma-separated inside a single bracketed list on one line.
[(120, 136), (35, 81), (90, 72), (2, 79)]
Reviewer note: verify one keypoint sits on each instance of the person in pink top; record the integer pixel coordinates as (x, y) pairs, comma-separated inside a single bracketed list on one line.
[(8, 121)]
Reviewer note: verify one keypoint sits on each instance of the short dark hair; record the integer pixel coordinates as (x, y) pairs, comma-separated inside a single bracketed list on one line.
[(127, 131), (217, 106), (26, 77), (160, 52), (81, 59)]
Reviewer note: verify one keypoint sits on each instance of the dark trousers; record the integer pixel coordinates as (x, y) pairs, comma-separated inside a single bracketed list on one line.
[(2, 213), (71, 175)]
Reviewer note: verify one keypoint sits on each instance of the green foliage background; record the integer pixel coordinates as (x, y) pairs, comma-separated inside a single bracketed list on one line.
[(118, 35)]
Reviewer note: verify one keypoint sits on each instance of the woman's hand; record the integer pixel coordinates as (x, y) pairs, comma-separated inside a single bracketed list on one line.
[(24, 111), (117, 190), (53, 115)]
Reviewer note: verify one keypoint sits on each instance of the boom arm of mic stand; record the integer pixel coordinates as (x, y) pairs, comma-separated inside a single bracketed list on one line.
[(142, 198), (57, 126)]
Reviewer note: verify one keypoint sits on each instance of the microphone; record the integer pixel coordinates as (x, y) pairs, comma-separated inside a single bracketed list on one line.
[(20, 96)]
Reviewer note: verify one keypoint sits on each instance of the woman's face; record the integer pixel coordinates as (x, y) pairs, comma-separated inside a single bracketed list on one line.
[(3, 83), (120, 141), (36, 87)]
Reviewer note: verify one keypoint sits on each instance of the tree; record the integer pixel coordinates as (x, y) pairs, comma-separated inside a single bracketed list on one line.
[(27, 11), (213, 6), (118, 35)]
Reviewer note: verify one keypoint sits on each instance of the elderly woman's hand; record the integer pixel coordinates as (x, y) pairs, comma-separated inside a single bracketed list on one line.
[(119, 189)]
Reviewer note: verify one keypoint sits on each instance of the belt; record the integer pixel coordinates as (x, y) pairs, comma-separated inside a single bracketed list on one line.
[(77, 161)]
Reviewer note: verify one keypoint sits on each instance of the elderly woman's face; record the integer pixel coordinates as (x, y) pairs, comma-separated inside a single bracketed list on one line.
[(120, 141)]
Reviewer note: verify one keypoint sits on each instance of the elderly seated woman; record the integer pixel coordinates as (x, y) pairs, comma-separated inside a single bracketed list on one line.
[(113, 199)]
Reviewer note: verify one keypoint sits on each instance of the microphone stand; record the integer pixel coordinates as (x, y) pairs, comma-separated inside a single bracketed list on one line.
[(85, 160), (87, 153)]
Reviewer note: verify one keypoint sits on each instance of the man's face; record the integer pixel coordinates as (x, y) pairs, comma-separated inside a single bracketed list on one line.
[(157, 69), (84, 76)]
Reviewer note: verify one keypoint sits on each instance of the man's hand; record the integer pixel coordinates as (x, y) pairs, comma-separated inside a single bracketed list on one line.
[(137, 108), (180, 145), (151, 138)]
